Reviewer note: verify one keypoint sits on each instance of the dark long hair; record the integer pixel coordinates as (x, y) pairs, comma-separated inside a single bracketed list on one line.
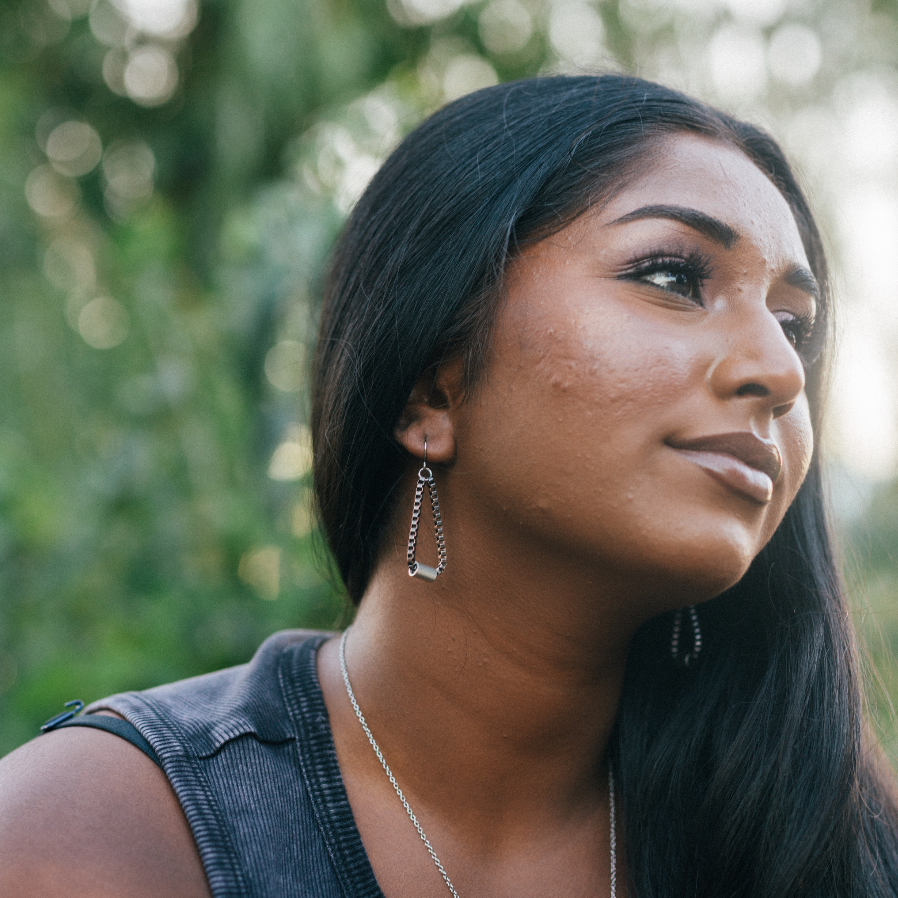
[(748, 775)]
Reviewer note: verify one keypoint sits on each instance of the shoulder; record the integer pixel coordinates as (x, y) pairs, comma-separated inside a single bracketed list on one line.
[(83, 812), (194, 718)]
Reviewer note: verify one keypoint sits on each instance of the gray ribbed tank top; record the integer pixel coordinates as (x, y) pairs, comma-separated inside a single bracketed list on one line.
[(249, 753)]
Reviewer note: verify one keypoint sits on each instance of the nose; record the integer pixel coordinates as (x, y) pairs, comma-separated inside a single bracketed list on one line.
[(757, 363)]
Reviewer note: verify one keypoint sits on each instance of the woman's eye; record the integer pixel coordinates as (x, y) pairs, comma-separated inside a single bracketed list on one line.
[(793, 335), (797, 328), (674, 281), (683, 276)]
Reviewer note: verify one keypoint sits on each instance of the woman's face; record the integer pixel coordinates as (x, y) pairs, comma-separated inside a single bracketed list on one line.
[(644, 406)]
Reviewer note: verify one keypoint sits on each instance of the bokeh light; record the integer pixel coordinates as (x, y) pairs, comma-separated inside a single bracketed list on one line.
[(74, 148), (50, 194), (151, 75), (758, 12), (794, 54), (506, 26), (103, 323), (737, 63), (867, 104), (108, 25), (576, 32), (285, 366), (261, 569), (422, 12), (128, 169), (160, 18), (466, 73), (292, 459)]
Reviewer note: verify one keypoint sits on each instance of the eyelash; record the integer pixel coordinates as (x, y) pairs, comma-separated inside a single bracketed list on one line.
[(695, 269), (801, 332)]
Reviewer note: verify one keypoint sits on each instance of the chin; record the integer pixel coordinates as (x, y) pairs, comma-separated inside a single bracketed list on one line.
[(700, 571)]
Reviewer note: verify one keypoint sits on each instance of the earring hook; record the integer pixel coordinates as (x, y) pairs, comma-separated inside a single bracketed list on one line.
[(415, 567)]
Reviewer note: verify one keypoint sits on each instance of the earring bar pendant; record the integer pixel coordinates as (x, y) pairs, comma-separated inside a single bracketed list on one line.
[(423, 572)]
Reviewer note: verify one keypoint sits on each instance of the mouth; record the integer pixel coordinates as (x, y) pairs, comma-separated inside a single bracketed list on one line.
[(741, 461)]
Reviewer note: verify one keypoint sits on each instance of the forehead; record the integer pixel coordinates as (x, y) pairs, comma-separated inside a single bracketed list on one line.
[(700, 173)]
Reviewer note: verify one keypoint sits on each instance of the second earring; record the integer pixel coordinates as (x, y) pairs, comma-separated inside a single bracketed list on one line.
[(676, 654), (415, 568)]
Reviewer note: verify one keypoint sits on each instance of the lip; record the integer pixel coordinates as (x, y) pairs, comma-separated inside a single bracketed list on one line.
[(741, 461)]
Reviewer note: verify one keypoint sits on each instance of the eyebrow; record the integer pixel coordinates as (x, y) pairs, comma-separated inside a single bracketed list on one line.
[(799, 277), (713, 228)]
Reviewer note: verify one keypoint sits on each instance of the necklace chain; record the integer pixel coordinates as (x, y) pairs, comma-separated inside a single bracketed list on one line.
[(411, 813)]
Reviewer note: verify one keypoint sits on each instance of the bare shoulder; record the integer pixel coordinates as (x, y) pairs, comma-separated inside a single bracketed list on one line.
[(85, 813)]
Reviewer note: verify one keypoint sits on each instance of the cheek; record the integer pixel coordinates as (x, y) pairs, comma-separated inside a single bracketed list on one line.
[(795, 437), (797, 441), (582, 411), (604, 383), (585, 347)]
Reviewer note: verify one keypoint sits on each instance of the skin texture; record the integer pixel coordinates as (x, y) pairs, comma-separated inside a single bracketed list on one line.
[(570, 519), (86, 813)]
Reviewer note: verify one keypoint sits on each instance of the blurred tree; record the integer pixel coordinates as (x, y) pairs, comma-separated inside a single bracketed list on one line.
[(174, 173), (141, 536)]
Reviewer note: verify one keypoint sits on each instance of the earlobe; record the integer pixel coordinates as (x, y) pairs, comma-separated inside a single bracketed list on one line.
[(429, 414)]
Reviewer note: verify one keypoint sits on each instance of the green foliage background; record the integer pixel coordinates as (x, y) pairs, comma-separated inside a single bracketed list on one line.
[(154, 517)]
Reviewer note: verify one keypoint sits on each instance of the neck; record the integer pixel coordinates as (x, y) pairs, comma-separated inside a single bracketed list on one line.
[(497, 702), (492, 691)]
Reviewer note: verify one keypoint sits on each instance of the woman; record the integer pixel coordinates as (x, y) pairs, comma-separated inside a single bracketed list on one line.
[(589, 314)]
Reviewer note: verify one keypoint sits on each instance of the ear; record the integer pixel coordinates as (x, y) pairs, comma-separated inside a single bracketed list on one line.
[(429, 414)]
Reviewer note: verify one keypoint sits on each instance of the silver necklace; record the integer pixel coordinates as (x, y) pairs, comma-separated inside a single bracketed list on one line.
[(411, 813)]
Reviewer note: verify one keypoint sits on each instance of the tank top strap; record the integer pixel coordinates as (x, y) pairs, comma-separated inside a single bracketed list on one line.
[(250, 755), (115, 725)]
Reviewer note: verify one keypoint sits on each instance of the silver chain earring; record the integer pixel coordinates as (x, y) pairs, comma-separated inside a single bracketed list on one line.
[(415, 568), (689, 657)]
